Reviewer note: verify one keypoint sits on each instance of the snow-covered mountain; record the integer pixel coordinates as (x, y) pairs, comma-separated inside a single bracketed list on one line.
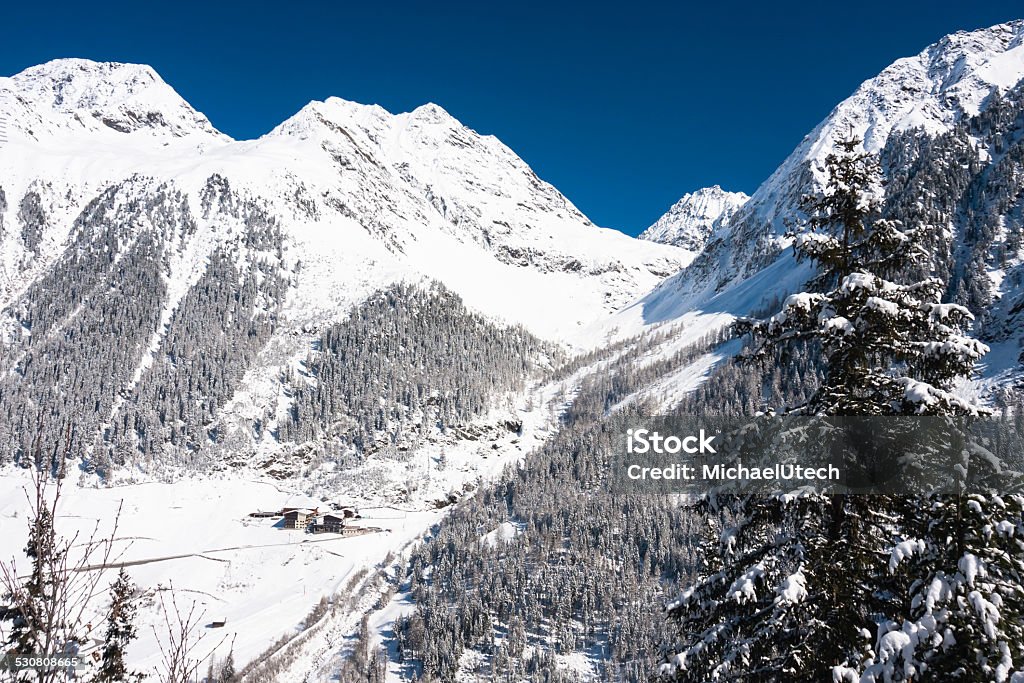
[(120, 202), (177, 303), (692, 219), (108, 176), (945, 124), (415, 193), (928, 93)]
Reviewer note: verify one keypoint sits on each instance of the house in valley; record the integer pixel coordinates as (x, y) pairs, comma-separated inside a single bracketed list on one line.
[(334, 524), (298, 518)]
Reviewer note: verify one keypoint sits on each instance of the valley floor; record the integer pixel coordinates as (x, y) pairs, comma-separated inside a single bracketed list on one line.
[(195, 538)]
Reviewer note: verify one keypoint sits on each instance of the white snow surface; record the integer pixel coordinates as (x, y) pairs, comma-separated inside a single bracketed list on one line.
[(504, 533), (193, 538)]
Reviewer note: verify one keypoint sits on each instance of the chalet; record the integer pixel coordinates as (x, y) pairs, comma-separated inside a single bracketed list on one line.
[(265, 513), (298, 518), (334, 524)]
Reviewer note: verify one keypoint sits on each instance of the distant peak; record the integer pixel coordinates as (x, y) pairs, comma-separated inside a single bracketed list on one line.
[(1009, 33), (431, 112), (338, 103), (709, 202), (712, 191), (75, 84), (692, 219), (329, 116)]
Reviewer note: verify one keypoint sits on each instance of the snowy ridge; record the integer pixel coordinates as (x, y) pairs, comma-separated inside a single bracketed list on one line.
[(402, 175), (746, 266), (338, 202), (692, 219), (930, 91)]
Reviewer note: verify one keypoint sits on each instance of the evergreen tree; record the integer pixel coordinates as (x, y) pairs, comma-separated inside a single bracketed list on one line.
[(797, 586), (962, 561), (25, 618), (120, 632), (227, 669), (889, 348)]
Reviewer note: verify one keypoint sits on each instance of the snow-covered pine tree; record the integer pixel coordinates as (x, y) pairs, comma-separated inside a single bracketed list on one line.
[(227, 669), (890, 348), (25, 614), (798, 587), (962, 560), (120, 631)]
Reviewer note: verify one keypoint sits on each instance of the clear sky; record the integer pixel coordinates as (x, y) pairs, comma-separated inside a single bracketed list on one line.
[(622, 106)]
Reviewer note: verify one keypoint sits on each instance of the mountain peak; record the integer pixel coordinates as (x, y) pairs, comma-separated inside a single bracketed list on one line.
[(65, 80), (693, 218), (336, 113), (75, 94), (431, 113), (929, 93), (921, 97), (931, 90)]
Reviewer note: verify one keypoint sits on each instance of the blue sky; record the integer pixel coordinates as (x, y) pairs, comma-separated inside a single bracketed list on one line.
[(622, 106)]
